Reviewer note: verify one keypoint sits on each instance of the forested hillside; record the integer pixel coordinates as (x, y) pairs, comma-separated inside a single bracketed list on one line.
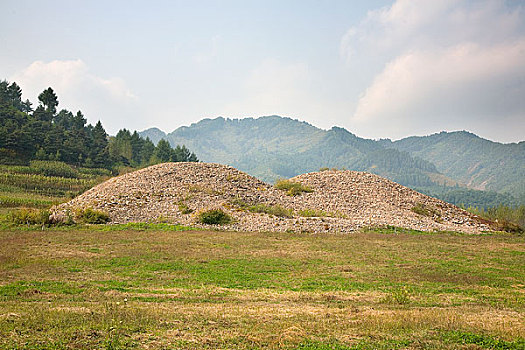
[(479, 163), (273, 147), (45, 133)]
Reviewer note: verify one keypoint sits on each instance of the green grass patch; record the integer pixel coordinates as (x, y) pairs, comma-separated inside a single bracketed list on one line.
[(313, 213), (35, 288), (482, 340), (292, 188)]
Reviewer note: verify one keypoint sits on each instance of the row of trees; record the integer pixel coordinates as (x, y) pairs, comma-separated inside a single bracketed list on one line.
[(48, 134)]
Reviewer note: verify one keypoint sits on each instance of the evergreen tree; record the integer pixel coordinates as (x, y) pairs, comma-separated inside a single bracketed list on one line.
[(164, 152), (49, 100), (45, 134), (99, 146)]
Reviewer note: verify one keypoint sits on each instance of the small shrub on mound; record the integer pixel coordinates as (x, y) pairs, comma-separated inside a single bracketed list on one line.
[(28, 217), (292, 188), (214, 217), (421, 209), (91, 216), (184, 209)]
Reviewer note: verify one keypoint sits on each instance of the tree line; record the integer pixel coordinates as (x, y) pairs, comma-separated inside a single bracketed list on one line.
[(44, 133)]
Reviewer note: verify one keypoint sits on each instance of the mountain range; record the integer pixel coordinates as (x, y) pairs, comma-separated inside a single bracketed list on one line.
[(446, 164)]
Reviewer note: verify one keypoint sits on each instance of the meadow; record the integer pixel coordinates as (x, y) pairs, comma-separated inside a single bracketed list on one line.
[(167, 287)]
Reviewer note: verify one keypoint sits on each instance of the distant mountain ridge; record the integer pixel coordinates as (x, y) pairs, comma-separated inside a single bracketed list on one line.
[(479, 163), (272, 147)]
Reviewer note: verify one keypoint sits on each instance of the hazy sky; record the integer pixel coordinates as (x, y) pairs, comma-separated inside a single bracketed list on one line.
[(378, 68)]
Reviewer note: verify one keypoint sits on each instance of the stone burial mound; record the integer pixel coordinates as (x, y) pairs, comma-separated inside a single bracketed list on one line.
[(326, 201)]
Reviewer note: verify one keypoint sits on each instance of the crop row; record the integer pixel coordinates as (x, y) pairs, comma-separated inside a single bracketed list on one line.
[(35, 182)]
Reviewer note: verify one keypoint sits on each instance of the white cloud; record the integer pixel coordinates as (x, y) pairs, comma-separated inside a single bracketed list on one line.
[(107, 99), (439, 65), (445, 87)]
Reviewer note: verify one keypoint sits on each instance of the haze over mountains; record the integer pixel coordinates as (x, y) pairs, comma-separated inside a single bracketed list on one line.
[(273, 147)]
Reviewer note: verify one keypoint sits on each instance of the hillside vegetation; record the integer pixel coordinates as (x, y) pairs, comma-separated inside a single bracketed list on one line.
[(42, 184)]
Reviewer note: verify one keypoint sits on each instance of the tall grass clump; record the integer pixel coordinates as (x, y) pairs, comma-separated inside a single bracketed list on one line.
[(292, 188), (506, 218), (91, 216), (28, 217)]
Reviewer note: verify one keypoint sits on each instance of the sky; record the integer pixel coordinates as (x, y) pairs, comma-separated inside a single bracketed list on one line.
[(381, 69)]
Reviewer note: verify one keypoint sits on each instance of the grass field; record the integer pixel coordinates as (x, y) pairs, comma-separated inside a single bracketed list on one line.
[(152, 287)]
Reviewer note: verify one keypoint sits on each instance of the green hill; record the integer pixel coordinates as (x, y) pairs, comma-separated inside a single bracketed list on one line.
[(476, 162), (273, 147)]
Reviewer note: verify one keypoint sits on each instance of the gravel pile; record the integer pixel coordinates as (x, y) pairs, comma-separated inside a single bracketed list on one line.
[(340, 201)]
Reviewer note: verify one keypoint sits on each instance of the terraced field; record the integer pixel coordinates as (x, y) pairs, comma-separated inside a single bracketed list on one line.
[(29, 187)]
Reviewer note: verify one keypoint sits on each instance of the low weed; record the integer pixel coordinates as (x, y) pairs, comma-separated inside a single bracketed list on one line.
[(398, 296), (184, 209), (275, 210), (422, 209)]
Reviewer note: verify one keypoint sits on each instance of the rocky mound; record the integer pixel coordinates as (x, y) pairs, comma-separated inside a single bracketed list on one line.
[(339, 201)]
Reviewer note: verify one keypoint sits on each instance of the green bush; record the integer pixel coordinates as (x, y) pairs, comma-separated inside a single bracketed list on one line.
[(91, 216), (214, 217), (292, 188), (28, 217), (53, 168)]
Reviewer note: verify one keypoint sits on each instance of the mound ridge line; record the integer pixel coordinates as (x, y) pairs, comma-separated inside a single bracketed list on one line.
[(344, 200)]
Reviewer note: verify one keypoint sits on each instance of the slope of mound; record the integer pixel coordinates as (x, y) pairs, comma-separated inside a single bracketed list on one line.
[(340, 201), (370, 200)]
